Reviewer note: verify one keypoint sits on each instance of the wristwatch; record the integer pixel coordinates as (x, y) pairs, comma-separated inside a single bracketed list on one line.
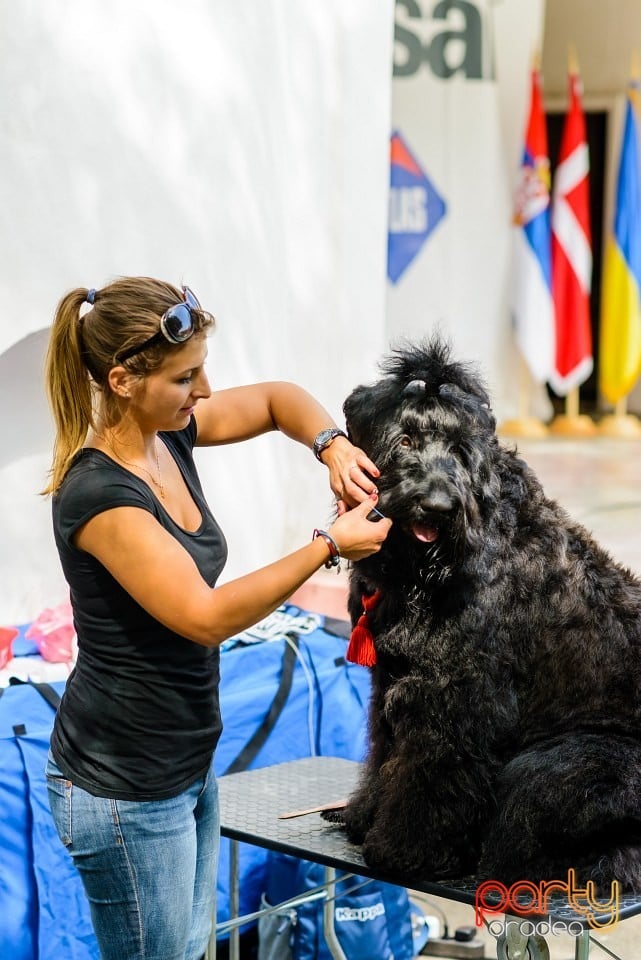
[(325, 438)]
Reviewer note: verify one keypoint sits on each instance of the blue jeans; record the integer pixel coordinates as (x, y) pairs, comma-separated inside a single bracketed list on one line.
[(148, 867)]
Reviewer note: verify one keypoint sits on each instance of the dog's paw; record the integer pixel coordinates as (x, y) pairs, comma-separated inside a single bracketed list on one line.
[(358, 820), (334, 816), (352, 819)]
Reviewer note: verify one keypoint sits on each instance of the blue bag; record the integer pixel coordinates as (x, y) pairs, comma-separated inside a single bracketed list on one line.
[(43, 909), (371, 919), (323, 713)]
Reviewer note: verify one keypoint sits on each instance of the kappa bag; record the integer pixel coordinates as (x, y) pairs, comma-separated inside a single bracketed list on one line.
[(372, 920)]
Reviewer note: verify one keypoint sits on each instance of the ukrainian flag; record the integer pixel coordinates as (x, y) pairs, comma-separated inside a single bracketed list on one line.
[(620, 347)]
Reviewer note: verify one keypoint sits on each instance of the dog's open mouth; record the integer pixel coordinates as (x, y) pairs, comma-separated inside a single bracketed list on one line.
[(424, 526), (425, 532)]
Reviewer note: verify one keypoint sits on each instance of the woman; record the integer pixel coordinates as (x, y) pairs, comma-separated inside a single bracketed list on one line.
[(130, 774)]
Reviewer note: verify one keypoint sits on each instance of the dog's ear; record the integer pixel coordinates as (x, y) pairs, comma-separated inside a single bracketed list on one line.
[(355, 408), (476, 406), (366, 407)]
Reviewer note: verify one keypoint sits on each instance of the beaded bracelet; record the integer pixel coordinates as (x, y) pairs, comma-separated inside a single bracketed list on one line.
[(334, 553)]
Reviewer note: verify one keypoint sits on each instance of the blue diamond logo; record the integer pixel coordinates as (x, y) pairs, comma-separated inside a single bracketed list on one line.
[(415, 209)]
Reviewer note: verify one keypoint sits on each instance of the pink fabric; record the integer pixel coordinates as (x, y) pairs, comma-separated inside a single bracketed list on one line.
[(54, 634), (7, 636)]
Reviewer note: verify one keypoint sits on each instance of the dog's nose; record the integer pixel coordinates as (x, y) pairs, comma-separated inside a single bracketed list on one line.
[(437, 500)]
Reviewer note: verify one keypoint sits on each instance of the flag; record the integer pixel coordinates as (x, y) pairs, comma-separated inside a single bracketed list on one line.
[(572, 251), (620, 353), (533, 308)]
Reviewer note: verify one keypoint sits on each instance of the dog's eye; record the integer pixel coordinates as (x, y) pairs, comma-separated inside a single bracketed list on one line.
[(405, 441)]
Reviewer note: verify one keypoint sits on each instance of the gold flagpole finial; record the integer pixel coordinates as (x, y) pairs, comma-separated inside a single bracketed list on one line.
[(573, 61)]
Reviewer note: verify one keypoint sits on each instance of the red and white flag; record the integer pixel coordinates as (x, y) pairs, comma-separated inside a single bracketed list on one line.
[(572, 251), (533, 307)]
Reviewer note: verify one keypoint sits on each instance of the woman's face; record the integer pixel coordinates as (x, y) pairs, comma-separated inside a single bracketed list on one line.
[(166, 398)]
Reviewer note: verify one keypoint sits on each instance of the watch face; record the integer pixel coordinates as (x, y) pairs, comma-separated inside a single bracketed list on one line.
[(324, 436)]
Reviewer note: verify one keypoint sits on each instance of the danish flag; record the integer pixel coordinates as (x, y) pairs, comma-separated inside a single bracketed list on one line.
[(572, 251)]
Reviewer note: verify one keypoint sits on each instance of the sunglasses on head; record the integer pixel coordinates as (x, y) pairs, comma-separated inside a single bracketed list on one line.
[(176, 326)]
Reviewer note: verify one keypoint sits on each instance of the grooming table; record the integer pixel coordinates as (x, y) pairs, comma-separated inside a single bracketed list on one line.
[(250, 806)]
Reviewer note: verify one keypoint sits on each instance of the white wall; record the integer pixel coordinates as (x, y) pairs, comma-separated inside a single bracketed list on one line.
[(242, 148)]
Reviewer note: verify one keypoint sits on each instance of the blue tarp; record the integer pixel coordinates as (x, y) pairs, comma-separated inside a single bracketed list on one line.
[(43, 911)]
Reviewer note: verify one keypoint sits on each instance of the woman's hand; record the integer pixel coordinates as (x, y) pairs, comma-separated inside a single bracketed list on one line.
[(357, 537), (351, 473)]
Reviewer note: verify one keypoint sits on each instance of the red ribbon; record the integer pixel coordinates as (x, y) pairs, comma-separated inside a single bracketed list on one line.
[(361, 647)]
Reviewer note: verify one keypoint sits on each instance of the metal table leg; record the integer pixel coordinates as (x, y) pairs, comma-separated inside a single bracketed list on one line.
[(582, 946), (328, 916), (234, 900), (210, 952), (234, 903)]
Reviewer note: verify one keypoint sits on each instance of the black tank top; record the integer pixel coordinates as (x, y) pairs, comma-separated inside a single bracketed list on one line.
[(139, 717)]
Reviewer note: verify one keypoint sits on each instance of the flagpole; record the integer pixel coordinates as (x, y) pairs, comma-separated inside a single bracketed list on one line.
[(572, 423), (533, 319), (622, 424)]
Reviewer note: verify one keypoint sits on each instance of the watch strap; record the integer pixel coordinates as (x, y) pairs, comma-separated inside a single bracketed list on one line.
[(323, 439)]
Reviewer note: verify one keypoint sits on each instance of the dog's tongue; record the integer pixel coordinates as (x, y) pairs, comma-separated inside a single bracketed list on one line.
[(425, 533)]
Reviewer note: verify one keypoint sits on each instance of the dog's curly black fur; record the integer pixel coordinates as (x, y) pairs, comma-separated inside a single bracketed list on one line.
[(505, 720)]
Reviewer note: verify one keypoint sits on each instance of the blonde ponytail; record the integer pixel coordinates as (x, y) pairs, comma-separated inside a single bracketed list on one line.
[(68, 385)]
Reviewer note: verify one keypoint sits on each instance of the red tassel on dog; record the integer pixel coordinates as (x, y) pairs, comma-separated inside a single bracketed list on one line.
[(361, 648)]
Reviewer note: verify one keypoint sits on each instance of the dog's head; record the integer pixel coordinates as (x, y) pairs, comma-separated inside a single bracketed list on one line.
[(428, 426)]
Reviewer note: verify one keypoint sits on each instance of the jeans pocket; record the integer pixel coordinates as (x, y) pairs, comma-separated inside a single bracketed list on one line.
[(59, 790)]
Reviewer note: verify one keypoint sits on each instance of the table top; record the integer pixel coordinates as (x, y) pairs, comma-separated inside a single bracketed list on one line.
[(251, 803)]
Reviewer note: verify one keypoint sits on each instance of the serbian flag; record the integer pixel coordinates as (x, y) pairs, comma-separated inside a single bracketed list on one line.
[(572, 251), (533, 308), (620, 353)]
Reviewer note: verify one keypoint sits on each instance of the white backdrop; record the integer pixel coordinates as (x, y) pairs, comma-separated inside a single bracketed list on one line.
[(460, 98), (242, 148)]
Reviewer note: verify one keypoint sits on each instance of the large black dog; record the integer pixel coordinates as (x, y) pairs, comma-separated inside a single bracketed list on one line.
[(505, 721)]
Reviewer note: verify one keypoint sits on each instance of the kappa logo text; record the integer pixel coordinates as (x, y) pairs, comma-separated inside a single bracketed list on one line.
[(341, 914)]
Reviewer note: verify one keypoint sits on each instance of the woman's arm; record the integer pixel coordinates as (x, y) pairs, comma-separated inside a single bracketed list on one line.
[(161, 576), (243, 412)]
